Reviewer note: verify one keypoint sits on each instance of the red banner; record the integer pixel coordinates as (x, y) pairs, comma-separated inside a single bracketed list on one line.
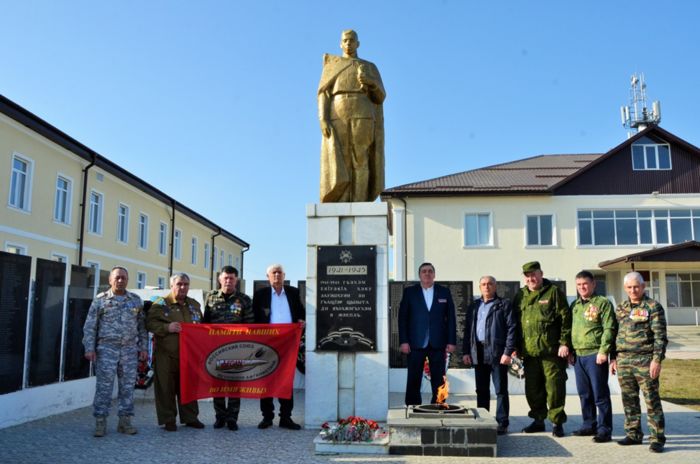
[(238, 360)]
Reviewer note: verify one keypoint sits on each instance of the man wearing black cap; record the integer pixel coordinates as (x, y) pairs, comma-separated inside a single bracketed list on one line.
[(545, 323)]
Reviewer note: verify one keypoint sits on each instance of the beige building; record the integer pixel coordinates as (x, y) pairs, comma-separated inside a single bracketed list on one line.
[(636, 207), (48, 177)]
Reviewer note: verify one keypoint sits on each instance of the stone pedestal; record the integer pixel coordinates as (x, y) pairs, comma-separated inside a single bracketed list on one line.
[(473, 434), (339, 384)]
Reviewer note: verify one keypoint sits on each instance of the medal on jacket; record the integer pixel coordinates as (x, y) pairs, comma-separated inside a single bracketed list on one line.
[(591, 313), (236, 308), (194, 314), (639, 315)]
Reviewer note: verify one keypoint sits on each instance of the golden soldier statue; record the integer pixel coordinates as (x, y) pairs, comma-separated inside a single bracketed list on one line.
[(350, 97)]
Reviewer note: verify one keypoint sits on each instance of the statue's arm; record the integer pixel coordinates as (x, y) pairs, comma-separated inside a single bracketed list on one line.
[(372, 82), (324, 102)]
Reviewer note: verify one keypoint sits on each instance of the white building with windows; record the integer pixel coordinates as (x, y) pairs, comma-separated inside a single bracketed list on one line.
[(636, 207), (49, 176)]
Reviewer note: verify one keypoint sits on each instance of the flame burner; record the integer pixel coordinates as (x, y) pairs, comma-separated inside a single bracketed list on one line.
[(437, 411)]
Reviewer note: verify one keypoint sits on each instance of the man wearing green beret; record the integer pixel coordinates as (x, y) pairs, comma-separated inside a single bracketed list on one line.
[(545, 324)]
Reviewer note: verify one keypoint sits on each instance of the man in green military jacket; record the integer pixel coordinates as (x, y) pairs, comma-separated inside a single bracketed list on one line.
[(545, 324), (640, 348), (164, 320), (227, 306), (592, 334)]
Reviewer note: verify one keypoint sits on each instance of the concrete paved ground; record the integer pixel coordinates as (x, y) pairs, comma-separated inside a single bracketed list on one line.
[(683, 342), (67, 438)]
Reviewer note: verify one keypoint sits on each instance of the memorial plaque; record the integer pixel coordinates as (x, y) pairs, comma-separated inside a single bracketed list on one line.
[(560, 284), (462, 295), (80, 295), (507, 289), (14, 298), (47, 320), (104, 281), (346, 298)]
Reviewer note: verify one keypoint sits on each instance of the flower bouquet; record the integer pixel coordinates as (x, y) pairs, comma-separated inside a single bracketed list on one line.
[(352, 429)]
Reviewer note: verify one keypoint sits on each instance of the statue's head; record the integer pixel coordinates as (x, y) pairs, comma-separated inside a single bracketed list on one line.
[(349, 42)]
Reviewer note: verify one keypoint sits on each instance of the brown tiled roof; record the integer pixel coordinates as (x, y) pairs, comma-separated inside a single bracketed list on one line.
[(530, 175)]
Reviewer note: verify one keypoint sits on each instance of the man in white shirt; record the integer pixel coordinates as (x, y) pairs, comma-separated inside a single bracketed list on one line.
[(278, 304)]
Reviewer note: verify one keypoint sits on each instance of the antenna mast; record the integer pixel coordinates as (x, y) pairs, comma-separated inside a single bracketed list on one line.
[(636, 116)]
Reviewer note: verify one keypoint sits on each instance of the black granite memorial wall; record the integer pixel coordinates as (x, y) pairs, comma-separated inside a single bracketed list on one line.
[(80, 295), (14, 299), (46, 322), (462, 294)]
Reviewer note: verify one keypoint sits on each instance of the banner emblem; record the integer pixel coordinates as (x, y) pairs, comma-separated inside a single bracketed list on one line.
[(242, 361)]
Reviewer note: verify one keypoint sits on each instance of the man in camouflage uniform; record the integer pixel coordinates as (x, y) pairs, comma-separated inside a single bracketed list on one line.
[(164, 320), (640, 349), (227, 306), (115, 338), (592, 334), (545, 323)]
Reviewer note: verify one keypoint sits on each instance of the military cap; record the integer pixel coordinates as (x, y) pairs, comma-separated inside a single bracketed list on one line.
[(531, 266)]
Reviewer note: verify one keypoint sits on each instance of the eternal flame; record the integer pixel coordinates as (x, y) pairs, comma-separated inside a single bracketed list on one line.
[(350, 97)]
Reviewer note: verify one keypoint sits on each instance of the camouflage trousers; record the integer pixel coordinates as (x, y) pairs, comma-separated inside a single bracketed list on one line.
[(120, 361), (633, 375)]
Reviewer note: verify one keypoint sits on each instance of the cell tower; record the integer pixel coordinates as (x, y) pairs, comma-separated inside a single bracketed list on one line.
[(636, 116)]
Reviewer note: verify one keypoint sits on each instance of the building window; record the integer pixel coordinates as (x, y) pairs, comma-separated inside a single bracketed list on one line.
[(161, 282), (540, 230), (194, 251), (95, 222), (61, 207), (21, 182), (651, 156), (230, 259), (682, 290), (215, 265), (207, 257), (177, 251), (143, 231), (140, 280), (477, 229), (59, 258), (638, 227), (16, 249), (163, 238), (221, 259), (123, 223)]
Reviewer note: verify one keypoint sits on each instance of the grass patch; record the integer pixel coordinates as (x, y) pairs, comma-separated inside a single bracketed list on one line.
[(679, 382)]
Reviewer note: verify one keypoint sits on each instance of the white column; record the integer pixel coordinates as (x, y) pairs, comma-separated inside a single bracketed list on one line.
[(340, 384), (399, 222)]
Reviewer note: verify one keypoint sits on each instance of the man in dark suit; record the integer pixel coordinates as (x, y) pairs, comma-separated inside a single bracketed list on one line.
[(427, 329), (278, 304)]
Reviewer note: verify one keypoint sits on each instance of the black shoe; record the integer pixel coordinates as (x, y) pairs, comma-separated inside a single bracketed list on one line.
[(232, 425), (219, 424), (656, 447), (535, 427), (289, 424), (171, 427), (583, 433), (558, 430), (602, 438), (502, 429), (195, 424), (265, 423), (627, 441)]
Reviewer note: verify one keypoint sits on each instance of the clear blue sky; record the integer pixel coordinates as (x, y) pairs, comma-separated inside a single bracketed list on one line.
[(214, 102)]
